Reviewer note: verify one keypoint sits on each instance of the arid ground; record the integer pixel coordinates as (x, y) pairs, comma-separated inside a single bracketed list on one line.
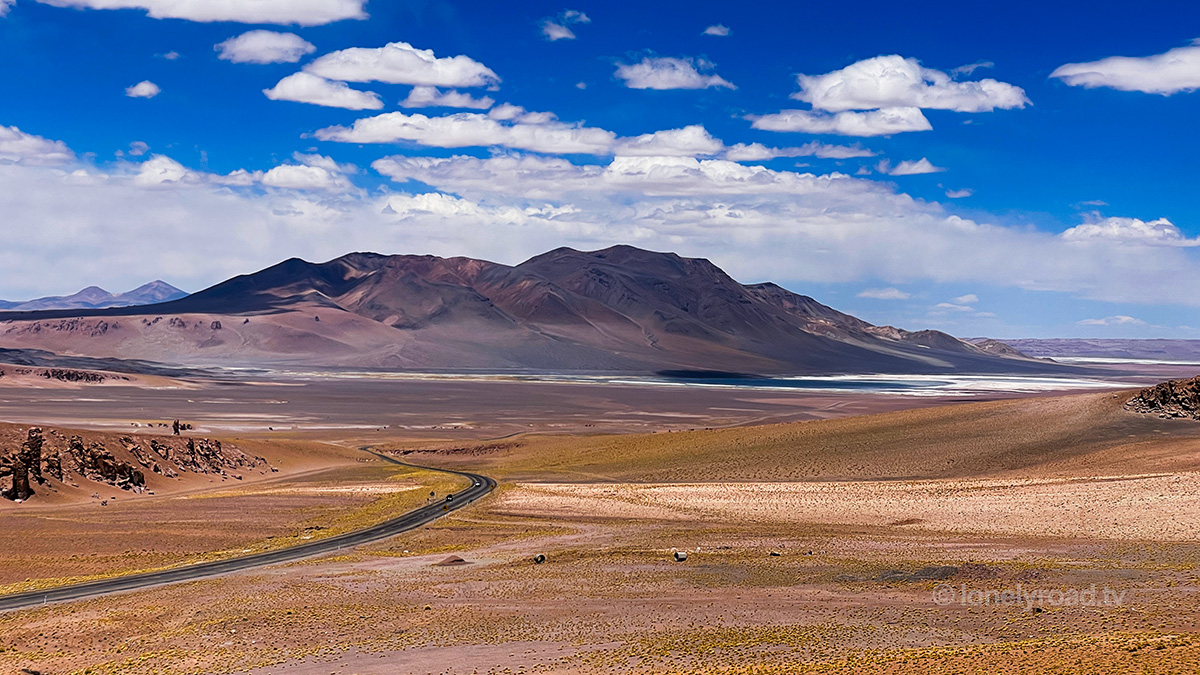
[(823, 533)]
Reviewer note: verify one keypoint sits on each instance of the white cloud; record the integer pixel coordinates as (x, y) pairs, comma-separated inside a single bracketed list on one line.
[(959, 194), (968, 299), (1161, 232), (689, 141), (908, 167), (306, 88), (805, 227), (264, 46), (18, 147), (953, 307), (281, 12), (660, 72), (971, 68), (143, 89), (462, 130), (1177, 70), (138, 148), (897, 82), (1118, 320), (430, 97), (556, 28), (883, 122), (884, 294), (171, 56), (757, 152), (303, 177), (556, 31), (92, 224), (160, 170), (5, 5), (401, 63), (717, 30)]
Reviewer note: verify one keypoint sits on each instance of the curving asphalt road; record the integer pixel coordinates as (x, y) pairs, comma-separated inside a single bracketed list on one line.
[(480, 486)]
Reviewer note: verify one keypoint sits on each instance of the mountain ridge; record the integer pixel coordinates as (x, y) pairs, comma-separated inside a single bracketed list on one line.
[(616, 309), (94, 297)]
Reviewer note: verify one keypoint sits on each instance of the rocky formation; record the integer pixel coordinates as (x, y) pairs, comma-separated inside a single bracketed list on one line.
[(1174, 398), (125, 463), (66, 375)]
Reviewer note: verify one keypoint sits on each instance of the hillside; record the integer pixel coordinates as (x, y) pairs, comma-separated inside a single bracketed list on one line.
[(617, 309)]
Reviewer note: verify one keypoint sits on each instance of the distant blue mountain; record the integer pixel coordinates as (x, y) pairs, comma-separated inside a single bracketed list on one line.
[(94, 297)]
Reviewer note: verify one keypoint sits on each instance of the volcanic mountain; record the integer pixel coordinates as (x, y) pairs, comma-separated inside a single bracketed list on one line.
[(618, 309), (94, 297)]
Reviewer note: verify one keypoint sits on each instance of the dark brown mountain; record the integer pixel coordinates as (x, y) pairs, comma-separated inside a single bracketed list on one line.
[(94, 297), (618, 309)]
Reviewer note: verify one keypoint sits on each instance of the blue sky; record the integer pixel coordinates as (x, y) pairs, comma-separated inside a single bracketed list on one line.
[(1047, 190)]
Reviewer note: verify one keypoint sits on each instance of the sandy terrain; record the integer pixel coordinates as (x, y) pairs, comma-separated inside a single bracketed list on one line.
[(1154, 507), (819, 546)]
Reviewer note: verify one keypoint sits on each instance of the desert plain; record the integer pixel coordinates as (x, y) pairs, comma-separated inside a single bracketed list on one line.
[(823, 531)]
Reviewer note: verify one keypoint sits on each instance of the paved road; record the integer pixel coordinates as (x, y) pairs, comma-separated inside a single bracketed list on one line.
[(480, 486)]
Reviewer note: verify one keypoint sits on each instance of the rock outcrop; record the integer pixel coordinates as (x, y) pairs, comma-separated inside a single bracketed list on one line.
[(1174, 398), (124, 462)]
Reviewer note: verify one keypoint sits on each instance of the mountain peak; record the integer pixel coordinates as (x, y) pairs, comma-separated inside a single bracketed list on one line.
[(617, 308)]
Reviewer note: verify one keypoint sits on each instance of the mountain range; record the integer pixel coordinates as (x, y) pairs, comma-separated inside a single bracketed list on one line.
[(618, 309), (94, 297)]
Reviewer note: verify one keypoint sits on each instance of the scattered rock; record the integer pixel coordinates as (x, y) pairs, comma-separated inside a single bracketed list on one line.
[(452, 561), (1174, 398)]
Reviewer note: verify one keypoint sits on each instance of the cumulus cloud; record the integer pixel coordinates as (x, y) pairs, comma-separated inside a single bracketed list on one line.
[(18, 147), (462, 130), (431, 97), (908, 167), (6, 5), (143, 89), (304, 177), (138, 148), (832, 228), (401, 63), (959, 194), (511, 126), (689, 141), (757, 152), (717, 30), (884, 294), (884, 122), (280, 12), (1161, 232), (558, 28), (660, 72), (896, 82), (264, 46), (307, 88), (968, 299), (91, 224), (1177, 70), (1118, 320)]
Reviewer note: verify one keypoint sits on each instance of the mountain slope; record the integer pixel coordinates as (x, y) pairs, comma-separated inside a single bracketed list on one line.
[(617, 309), (94, 297)]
